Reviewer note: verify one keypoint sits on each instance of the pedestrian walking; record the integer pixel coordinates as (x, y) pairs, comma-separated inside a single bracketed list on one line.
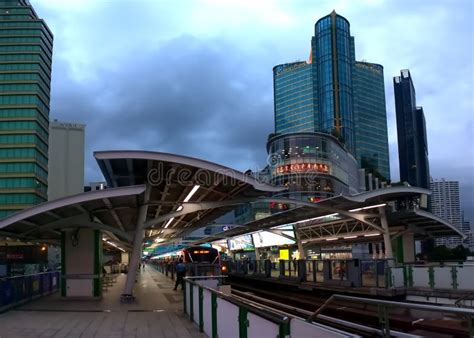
[(180, 273)]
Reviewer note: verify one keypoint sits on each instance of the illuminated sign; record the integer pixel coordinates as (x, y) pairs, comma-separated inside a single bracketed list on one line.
[(241, 243), (302, 168), (266, 238)]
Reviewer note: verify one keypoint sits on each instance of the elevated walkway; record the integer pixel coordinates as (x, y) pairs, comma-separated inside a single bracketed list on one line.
[(157, 312)]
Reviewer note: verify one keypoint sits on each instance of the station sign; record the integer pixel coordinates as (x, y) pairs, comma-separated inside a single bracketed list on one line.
[(302, 168)]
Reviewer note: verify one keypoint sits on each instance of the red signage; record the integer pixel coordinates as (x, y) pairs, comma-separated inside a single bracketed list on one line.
[(15, 256), (302, 168)]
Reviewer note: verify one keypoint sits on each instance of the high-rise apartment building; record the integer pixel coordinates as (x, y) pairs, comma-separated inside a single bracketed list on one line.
[(446, 203), (370, 119), (26, 45), (411, 131), (66, 159), (333, 94)]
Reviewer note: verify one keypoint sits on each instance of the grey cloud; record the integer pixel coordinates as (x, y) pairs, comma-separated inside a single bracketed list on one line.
[(140, 77), (181, 98)]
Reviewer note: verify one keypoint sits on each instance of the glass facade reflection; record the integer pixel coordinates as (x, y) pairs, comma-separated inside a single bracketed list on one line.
[(334, 60), (334, 94), (411, 132), (26, 46), (370, 119), (294, 101), (312, 166)]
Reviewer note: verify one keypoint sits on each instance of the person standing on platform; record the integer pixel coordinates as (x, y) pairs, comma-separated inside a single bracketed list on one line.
[(180, 272)]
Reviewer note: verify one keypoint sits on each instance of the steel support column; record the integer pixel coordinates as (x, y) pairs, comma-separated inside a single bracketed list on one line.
[(137, 245), (386, 234), (299, 243)]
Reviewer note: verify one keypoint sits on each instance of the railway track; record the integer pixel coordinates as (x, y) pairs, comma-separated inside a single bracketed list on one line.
[(361, 319)]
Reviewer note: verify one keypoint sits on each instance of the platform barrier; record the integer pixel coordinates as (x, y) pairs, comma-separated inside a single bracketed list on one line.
[(452, 277), (21, 289), (219, 314)]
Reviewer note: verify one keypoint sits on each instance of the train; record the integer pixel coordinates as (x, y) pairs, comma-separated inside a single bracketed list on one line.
[(199, 260), (203, 261)]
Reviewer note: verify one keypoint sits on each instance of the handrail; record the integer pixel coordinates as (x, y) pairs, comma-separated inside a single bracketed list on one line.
[(205, 277), (32, 274), (465, 312), (267, 314), (305, 313), (457, 303)]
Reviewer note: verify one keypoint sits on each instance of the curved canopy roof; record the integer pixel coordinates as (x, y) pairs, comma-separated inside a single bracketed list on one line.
[(161, 183), (174, 179), (110, 210), (178, 194)]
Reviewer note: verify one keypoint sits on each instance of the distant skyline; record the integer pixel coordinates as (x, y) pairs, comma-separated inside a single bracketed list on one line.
[(195, 77)]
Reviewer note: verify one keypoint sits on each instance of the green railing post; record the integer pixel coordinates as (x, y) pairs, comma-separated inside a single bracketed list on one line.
[(431, 277), (388, 277), (214, 315), (384, 320), (243, 322), (201, 314), (284, 329), (184, 295), (454, 275), (410, 276), (191, 302)]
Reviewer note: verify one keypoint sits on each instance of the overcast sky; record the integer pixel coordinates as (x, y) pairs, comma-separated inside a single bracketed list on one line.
[(195, 77)]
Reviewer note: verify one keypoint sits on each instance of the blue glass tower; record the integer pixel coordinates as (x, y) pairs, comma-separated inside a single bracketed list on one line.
[(370, 119), (333, 94), (293, 98), (333, 59)]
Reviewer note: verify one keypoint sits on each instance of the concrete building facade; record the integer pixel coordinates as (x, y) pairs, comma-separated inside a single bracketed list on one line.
[(66, 159)]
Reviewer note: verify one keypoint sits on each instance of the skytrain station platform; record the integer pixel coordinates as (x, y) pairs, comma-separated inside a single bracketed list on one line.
[(157, 312)]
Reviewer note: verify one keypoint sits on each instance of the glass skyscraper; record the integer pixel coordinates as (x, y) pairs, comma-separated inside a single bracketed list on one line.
[(334, 94), (26, 45), (411, 131), (294, 100), (333, 59), (370, 119)]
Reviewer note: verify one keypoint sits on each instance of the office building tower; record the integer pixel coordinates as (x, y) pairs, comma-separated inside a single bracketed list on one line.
[(331, 93), (411, 132), (66, 159), (26, 45), (293, 98), (370, 120), (446, 203), (334, 57)]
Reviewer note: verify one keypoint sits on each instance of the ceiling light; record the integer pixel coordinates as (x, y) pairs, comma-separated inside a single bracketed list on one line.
[(369, 207), (169, 222), (371, 235), (191, 193), (332, 239), (350, 237)]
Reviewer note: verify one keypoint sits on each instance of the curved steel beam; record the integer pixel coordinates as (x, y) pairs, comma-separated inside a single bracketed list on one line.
[(191, 207), (70, 201), (78, 221), (185, 161)]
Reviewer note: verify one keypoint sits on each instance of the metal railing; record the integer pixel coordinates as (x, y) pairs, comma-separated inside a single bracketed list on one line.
[(17, 290), (385, 305), (219, 314)]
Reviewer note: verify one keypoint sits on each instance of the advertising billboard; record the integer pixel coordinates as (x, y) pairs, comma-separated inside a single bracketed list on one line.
[(241, 243), (266, 238)]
